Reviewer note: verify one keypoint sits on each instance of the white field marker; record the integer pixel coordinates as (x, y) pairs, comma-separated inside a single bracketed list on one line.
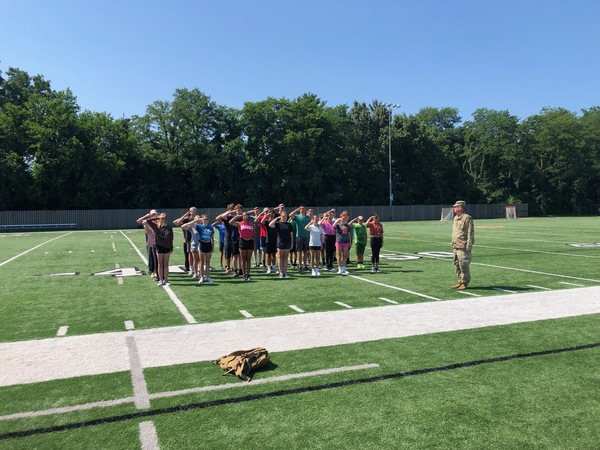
[(539, 287), (62, 331), (504, 290), (295, 308), (572, 284), (472, 294), (33, 248), (141, 398), (394, 287), (129, 325), (343, 304), (114, 247), (388, 300), (148, 436), (246, 314), (119, 280)]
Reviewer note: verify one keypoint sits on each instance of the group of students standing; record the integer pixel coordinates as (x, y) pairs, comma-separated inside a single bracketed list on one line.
[(273, 237)]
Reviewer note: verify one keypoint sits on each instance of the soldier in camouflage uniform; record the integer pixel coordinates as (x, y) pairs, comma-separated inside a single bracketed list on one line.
[(462, 243)]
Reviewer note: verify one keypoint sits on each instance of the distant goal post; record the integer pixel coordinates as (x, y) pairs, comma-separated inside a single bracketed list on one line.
[(447, 214), (510, 211)]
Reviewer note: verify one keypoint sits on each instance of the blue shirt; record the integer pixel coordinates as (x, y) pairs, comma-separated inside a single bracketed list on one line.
[(222, 231)]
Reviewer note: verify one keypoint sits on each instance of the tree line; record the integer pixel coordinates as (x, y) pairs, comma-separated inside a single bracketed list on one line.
[(191, 150)]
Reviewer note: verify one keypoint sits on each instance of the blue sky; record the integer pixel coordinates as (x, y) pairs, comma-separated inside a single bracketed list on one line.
[(119, 56)]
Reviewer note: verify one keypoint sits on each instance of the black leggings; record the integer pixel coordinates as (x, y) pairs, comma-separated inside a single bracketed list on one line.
[(376, 244), (329, 250)]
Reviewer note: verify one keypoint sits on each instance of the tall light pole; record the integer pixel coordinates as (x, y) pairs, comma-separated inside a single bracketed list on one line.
[(391, 106)]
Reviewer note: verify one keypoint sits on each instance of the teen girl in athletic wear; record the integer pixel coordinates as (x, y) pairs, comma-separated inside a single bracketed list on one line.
[(327, 225), (206, 243), (270, 242), (315, 243), (164, 245), (150, 244), (246, 241), (285, 237), (342, 241), (376, 231)]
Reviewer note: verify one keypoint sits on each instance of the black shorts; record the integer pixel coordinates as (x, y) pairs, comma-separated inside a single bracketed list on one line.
[(235, 247), (161, 249), (271, 248), (221, 246), (206, 247), (246, 244), (284, 245), (315, 247)]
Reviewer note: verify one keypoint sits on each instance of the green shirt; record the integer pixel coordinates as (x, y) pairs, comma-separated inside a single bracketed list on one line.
[(360, 233), (301, 222)]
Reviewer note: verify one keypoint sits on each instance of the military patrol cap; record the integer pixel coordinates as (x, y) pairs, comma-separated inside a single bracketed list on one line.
[(460, 203)]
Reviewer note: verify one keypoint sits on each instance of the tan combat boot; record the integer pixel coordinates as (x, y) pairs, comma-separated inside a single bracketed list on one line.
[(456, 286), (462, 287)]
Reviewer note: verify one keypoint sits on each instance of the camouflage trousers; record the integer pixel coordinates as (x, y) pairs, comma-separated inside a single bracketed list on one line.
[(462, 260)]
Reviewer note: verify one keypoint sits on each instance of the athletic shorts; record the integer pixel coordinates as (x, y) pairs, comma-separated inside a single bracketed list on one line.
[(161, 249), (301, 243), (284, 245), (342, 245), (221, 245), (246, 244), (315, 247), (236, 247), (206, 247), (228, 249), (194, 248), (262, 243), (271, 248), (360, 248)]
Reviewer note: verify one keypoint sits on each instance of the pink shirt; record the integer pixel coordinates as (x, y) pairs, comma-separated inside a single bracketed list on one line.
[(246, 230), (328, 228)]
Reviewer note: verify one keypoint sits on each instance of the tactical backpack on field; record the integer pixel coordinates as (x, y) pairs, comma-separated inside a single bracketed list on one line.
[(243, 362)]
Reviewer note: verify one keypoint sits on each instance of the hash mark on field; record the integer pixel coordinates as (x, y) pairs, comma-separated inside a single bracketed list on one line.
[(539, 287), (388, 300), (114, 247), (129, 325), (504, 290), (343, 304), (295, 308), (246, 314), (572, 284), (469, 293), (394, 287), (62, 331), (148, 436)]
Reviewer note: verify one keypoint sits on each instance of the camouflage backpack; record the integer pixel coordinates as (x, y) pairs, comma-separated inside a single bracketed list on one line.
[(243, 362)]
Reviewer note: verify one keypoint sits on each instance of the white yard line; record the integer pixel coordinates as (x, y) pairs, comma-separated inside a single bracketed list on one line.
[(246, 314), (180, 306), (295, 308), (504, 290), (395, 287), (571, 284), (166, 394), (140, 389), (388, 300), (148, 436), (469, 293), (509, 268), (33, 248), (344, 305)]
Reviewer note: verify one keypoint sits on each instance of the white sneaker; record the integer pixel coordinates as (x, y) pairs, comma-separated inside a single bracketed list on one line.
[(160, 283), (281, 275), (201, 280), (269, 270), (373, 270), (314, 273), (318, 272), (209, 280), (340, 271)]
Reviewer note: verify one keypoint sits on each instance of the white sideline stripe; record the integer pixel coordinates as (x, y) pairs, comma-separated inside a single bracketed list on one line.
[(33, 248), (180, 306), (140, 390), (395, 287), (129, 325), (136, 249), (538, 287), (511, 268), (504, 290), (572, 284), (246, 314), (148, 436), (388, 300), (469, 293), (62, 331), (295, 308), (120, 401), (68, 409), (263, 380), (345, 305)]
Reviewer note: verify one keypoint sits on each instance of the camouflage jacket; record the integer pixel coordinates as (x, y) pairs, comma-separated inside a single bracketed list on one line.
[(463, 235)]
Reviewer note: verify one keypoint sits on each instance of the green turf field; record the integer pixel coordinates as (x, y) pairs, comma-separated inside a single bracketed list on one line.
[(548, 397)]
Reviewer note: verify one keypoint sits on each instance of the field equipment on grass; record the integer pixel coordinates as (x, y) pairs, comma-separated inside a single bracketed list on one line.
[(243, 362)]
